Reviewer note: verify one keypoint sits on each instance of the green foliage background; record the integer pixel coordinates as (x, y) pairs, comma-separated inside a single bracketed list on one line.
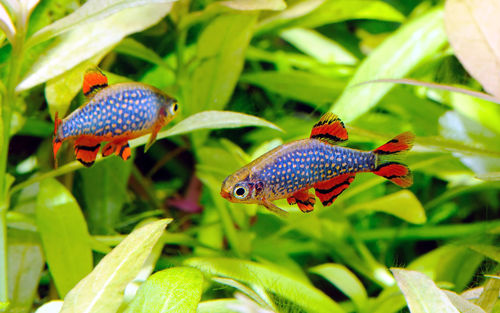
[(286, 63)]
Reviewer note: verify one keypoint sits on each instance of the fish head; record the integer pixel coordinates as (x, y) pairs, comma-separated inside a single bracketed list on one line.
[(169, 107), (240, 187)]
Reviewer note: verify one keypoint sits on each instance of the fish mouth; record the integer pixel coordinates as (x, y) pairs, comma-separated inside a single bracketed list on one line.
[(225, 194)]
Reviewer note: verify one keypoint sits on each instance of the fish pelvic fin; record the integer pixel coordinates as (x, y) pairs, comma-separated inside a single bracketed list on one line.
[(329, 129), (152, 137), (56, 141), (274, 208), (304, 200), (388, 157), (93, 81)]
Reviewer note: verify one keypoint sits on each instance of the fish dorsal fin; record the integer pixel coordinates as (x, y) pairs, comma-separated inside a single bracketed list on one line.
[(93, 81), (329, 129)]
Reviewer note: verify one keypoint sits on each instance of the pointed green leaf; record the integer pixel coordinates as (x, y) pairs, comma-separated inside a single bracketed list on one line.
[(172, 290), (269, 278), (492, 252), (399, 54), (421, 293), (402, 204), (209, 120), (462, 304), (102, 290), (65, 239)]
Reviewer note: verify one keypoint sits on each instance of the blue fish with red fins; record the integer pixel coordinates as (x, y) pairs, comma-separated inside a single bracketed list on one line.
[(290, 170), (113, 114)]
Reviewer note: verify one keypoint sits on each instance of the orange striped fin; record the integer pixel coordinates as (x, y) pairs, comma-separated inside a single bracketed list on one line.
[(120, 148), (329, 190), (330, 129), (86, 150), (93, 81), (396, 172), (401, 143), (304, 200), (56, 142)]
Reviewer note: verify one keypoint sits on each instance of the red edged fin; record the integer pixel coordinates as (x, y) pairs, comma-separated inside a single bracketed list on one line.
[(330, 129), (328, 191), (86, 150), (56, 142), (108, 149), (401, 143), (93, 81), (123, 151), (304, 200), (396, 172)]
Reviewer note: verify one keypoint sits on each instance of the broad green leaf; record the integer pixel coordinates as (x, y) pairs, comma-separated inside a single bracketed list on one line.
[(311, 14), (479, 110), (59, 91), (298, 85), (105, 197), (25, 265), (53, 306), (209, 120), (476, 21), (462, 304), (6, 24), (175, 289), (65, 239), (245, 5), (303, 294), (136, 49), (88, 40), (492, 252), (91, 11), (318, 46), (221, 54), (399, 54), (342, 278), (219, 306), (102, 290), (421, 293), (402, 204)]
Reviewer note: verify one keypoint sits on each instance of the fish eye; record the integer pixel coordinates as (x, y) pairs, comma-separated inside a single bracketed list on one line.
[(174, 108), (240, 192)]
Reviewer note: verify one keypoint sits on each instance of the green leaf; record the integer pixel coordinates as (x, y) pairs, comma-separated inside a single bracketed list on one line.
[(402, 204), (105, 197), (491, 252), (342, 278), (219, 306), (209, 120), (59, 91), (91, 11), (88, 40), (269, 278), (51, 307), (245, 5), (221, 53), (136, 49), (399, 54), (25, 265), (175, 289), (298, 85), (311, 14), (421, 294), (462, 304), (102, 290), (65, 239), (475, 21), (318, 46)]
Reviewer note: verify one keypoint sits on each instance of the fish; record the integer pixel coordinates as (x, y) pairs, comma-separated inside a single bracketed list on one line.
[(290, 170), (114, 114)]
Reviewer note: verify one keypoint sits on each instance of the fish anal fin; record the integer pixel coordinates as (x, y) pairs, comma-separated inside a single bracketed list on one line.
[(328, 191), (329, 129), (93, 81), (86, 150), (274, 208), (304, 200)]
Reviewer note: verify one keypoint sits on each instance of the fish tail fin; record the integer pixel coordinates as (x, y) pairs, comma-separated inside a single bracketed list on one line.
[(56, 141), (388, 157)]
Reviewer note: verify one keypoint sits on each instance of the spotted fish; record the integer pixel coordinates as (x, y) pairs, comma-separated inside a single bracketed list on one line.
[(113, 114), (290, 170)]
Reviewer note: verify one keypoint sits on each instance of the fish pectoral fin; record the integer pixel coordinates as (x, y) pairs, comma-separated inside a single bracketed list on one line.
[(304, 200), (86, 150), (328, 191), (329, 129), (93, 81), (274, 208), (152, 138)]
